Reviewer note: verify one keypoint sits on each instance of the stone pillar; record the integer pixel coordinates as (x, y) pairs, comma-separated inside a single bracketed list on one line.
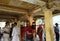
[(30, 19), (18, 24), (48, 25)]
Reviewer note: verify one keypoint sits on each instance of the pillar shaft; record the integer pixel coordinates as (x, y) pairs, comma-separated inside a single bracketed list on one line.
[(18, 24), (30, 18), (48, 25)]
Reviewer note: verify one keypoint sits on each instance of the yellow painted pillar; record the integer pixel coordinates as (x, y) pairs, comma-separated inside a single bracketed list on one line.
[(18, 24), (30, 19), (48, 25)]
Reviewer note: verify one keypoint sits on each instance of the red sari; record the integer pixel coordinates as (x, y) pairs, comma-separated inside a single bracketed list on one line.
[(28, 29), (22, 33), (39, 32)]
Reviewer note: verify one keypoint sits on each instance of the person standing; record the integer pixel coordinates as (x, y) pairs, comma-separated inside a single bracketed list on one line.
[(22, 32), (15, 33), (56, 28), (0, 34), (29, 32), (34, 30), (39, 32), (11, 29), (44, 32), (6, 31)]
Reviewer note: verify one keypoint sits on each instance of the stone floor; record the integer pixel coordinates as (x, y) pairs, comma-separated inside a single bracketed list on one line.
[(38, 39)]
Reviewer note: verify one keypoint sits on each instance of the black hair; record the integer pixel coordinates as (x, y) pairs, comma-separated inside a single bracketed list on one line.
[(33, 22), (7, 22), (15, 23), (56, 23), (12, 24)]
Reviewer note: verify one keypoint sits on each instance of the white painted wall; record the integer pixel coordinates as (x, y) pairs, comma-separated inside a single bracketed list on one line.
[(2, 24)]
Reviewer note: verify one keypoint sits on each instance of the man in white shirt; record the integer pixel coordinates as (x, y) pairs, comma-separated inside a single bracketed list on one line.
[(6, 31), (15, 33)]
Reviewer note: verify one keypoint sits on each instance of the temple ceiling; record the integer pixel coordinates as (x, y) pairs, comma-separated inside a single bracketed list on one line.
[(34, 7)]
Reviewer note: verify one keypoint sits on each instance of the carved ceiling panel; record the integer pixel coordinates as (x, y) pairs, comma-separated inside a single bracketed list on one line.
[(24, 5), (4, 1), (29, 5)]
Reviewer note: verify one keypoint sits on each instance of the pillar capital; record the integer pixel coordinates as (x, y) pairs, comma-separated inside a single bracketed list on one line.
[(47, 10), (29, 18)]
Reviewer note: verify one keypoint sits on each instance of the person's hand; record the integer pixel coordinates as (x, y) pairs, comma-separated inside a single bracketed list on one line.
[(29, 33)]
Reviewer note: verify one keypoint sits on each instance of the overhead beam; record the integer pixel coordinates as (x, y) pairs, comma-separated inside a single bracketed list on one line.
[(36, 10), (12, 9), (47, 0), (56, 11), (7, 17), (5, 1)]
